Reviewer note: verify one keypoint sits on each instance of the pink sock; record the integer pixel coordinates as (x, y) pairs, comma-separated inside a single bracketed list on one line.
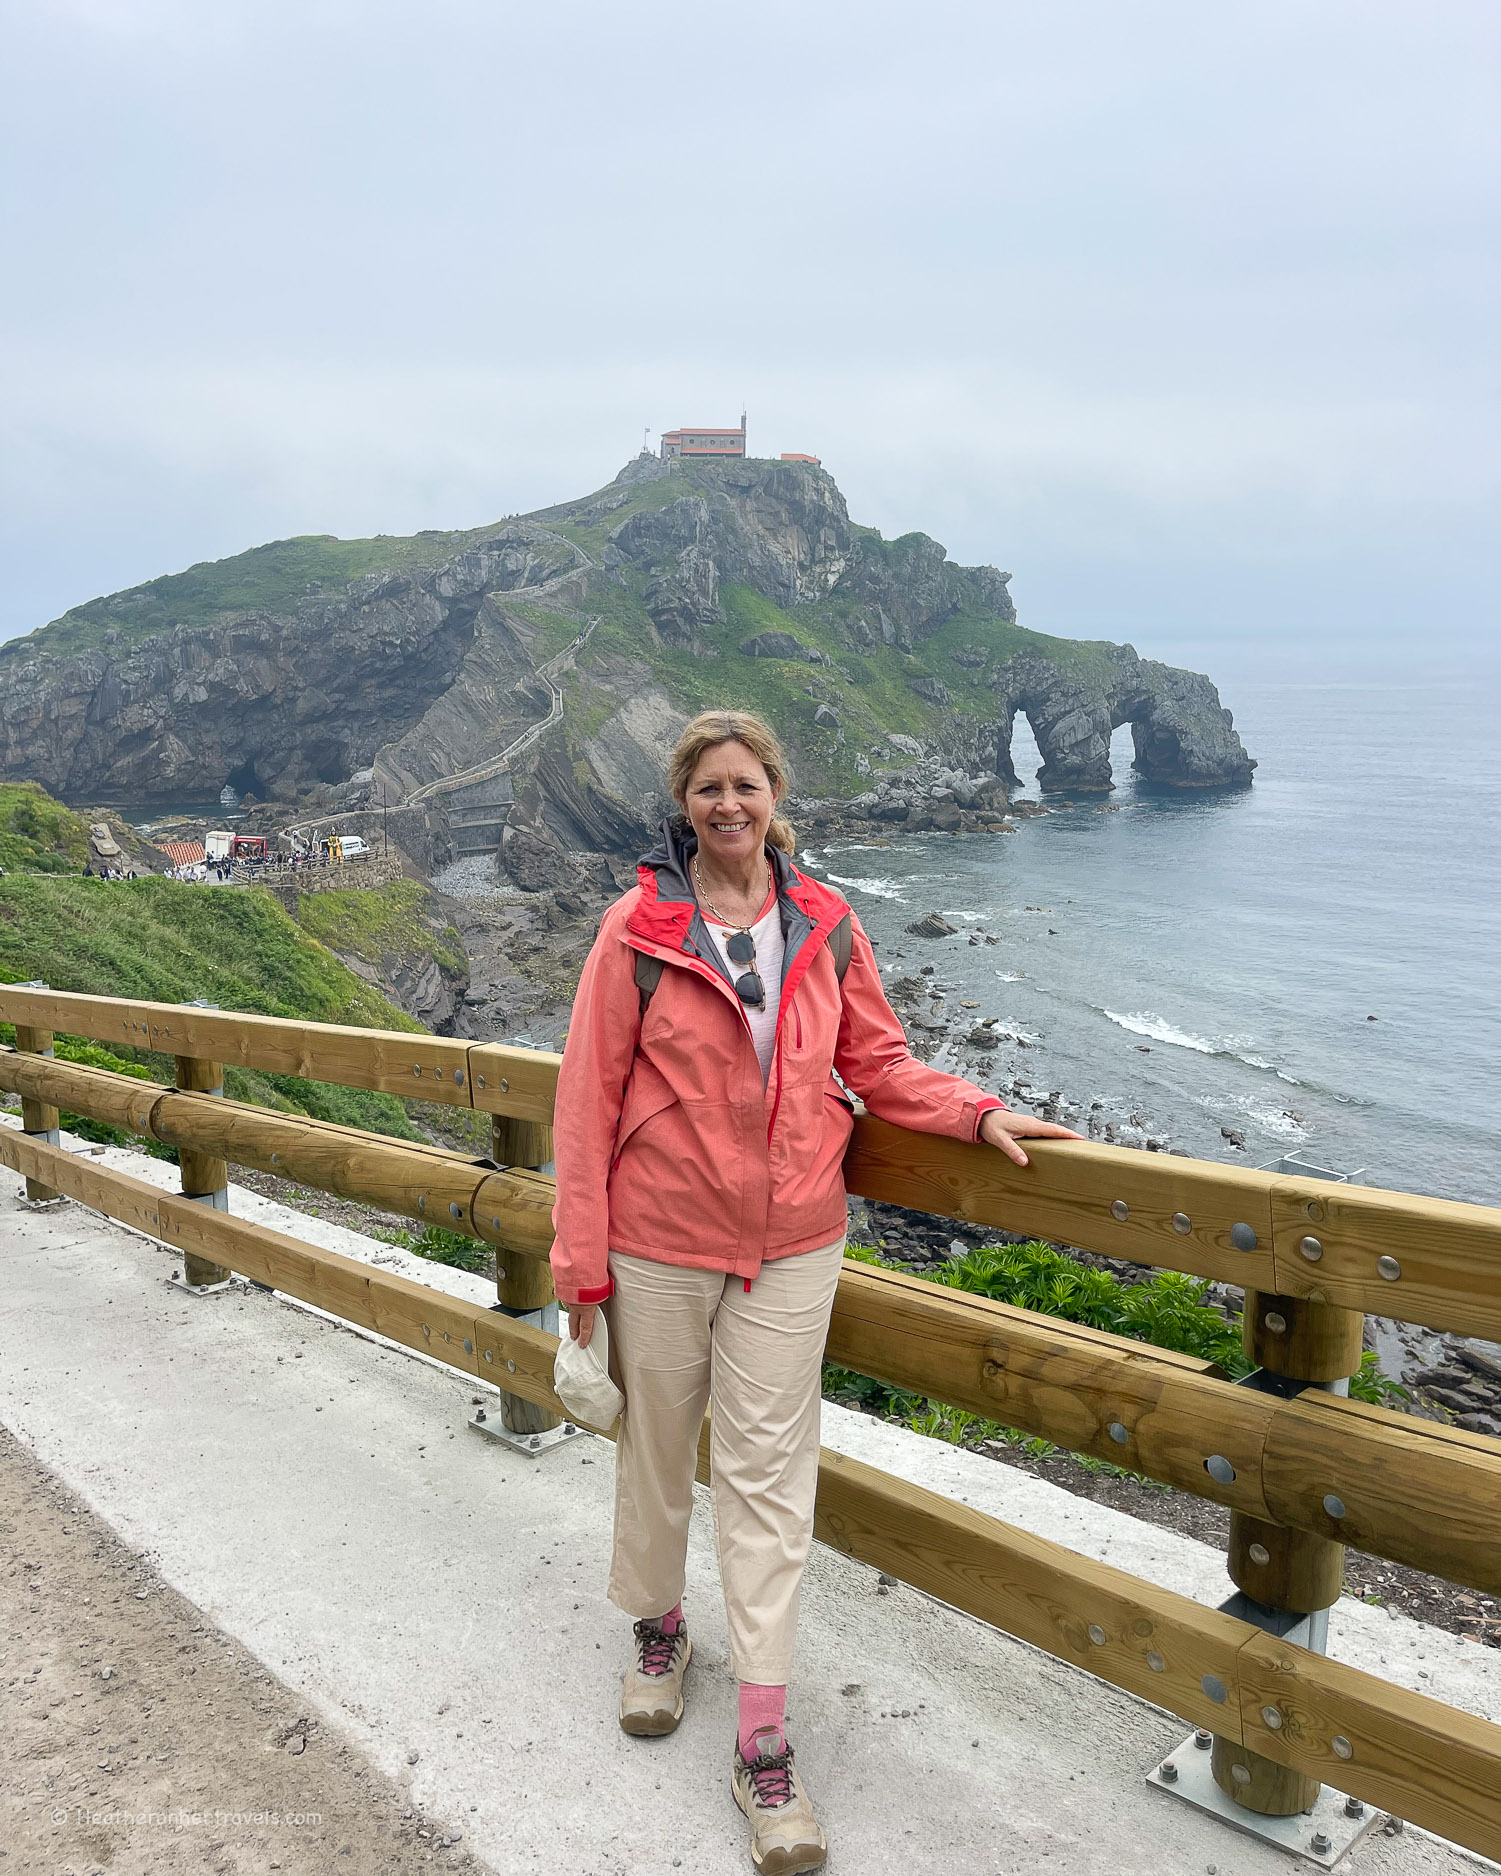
[(762, 1710), (673, 1620)]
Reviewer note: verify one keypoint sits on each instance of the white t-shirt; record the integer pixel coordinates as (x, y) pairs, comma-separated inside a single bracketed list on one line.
[(770, 946)]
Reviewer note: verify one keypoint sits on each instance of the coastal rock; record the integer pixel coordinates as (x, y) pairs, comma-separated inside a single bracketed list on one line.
[(774, 645), (535, 861), (1479, 1362), (1182, 735), (933, 925), (931, 691)]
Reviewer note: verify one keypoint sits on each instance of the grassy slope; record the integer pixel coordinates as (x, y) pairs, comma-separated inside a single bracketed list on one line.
[(38, 833), (375, 924), (158, 939), (271, 578)]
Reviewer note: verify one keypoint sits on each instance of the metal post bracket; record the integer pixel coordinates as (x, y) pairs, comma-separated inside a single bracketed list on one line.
[(487, 1420), (1185, 1772)]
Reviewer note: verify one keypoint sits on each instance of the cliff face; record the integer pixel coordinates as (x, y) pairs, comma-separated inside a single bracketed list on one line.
[(273, 703), (690, 585)]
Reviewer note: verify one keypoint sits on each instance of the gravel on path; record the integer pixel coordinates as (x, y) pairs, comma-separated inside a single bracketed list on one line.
[(141, 1740)]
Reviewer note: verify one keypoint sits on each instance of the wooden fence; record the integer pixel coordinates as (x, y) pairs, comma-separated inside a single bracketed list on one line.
[(1302, 1469)]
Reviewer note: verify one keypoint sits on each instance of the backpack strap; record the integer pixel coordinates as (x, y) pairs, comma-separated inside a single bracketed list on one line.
[(842, 946), (648, 976)]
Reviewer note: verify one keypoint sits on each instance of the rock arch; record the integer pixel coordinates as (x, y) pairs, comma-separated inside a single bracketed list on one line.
[(1182, 735)]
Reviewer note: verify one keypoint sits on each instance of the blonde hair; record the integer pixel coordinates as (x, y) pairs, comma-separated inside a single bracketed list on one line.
[(711, 730)]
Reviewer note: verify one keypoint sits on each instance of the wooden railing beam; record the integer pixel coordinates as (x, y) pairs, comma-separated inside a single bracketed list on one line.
[(1409, 1489), (1427, 1261)]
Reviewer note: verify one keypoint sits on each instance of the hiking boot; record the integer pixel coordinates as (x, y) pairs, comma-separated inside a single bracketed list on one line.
[(651, 1701), (785, 1838)]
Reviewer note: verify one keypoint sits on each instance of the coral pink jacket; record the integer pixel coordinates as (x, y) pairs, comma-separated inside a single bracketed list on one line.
[(668, 1145)]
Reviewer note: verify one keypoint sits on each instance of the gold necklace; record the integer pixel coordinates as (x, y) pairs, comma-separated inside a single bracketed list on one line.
[(698, 881)]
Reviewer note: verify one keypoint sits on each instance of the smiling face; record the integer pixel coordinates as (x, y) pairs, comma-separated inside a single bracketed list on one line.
[(729, 801)]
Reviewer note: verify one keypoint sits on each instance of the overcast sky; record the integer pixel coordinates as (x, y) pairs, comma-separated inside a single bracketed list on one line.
[(1183, 313)]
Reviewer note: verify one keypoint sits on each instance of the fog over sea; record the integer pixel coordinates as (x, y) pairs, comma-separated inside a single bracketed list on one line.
[(1217, 956)]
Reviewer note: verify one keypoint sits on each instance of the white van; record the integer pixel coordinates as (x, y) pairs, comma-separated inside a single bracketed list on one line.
[(216, 845), (352, 847)]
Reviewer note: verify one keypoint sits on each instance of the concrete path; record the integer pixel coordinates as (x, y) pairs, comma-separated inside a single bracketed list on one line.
[(425, 1592)]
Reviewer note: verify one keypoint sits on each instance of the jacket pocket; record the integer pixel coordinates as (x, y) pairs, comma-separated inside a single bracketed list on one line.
[(644, 1100)]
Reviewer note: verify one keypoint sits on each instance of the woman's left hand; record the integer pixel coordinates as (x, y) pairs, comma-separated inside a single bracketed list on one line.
[(1000, 1127)]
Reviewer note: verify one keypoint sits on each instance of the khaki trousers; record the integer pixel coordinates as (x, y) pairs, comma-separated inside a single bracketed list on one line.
[(677, 1339)]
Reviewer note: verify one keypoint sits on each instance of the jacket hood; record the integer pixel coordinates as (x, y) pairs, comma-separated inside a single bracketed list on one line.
[(667, 914)]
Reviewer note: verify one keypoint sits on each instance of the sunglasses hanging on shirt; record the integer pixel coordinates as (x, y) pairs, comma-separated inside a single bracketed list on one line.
[(741, 949)]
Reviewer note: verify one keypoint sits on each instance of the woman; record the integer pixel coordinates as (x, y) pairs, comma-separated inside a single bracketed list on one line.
[(699, 1135)]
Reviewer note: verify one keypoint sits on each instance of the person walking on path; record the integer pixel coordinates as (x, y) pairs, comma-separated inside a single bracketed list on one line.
[(699, 1138)]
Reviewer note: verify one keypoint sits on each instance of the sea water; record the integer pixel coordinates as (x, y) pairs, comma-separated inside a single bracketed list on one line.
[(1213, 960)]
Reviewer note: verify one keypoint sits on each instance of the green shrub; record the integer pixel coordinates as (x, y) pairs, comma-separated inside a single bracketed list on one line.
[(38, 834), (444, 1247), (1169, 1311)]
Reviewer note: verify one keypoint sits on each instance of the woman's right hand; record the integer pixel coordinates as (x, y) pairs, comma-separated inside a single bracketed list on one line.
[(581, 1322)]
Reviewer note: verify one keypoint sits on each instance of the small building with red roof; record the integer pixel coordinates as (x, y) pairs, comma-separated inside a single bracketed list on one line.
[(703, 440)]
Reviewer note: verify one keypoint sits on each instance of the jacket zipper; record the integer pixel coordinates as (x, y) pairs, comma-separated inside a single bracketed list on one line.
[(778, 1100)]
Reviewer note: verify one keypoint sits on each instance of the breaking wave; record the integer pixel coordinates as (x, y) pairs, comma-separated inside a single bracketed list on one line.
[(1234, 1048), (876, 888), (1144, 1023), (1277, 1122)]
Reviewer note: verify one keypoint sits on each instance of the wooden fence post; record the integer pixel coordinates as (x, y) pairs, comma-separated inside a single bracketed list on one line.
[(205, 1177), (38, 1117), (1281, 1569), (523, 1283)]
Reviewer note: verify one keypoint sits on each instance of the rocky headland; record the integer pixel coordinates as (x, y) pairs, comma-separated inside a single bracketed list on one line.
[(887, 667), (542, 666)]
